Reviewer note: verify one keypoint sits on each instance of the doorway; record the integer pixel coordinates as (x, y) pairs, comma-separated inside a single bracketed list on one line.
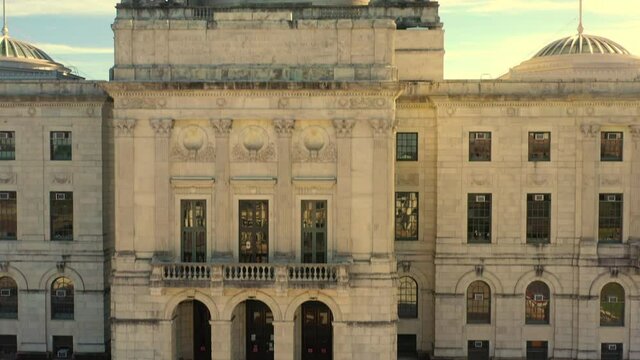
[(192, 331), (259, 331), (317, 331)]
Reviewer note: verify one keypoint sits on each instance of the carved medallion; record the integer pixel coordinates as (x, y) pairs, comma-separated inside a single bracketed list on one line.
[(192, 144), (254, 145), (313, 145)]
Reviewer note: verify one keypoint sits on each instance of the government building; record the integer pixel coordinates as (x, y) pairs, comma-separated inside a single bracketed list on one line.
[(295, 180)]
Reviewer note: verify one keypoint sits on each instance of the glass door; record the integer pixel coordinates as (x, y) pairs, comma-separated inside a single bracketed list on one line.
[(314, 231)]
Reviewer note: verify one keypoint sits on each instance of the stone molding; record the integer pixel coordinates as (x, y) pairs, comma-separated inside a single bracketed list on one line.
[(343, 127), (162, 127), (590, 130), (222, 127), (124, 127), (284, 127)]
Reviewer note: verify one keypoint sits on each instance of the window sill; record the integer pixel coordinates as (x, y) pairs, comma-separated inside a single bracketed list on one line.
[(478, 242)]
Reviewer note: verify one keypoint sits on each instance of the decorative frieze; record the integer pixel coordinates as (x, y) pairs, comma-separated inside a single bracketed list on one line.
[(343, 127), (141, 103), (124, 127), (162, 127)]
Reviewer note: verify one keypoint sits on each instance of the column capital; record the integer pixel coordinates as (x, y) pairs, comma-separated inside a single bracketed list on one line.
[(635, 132), (162, 126), (284, 127), (343, 127), (382, 126), (124, 127), (222, 127), (590, 130)]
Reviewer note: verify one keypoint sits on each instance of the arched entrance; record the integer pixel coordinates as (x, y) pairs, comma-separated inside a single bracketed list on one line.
[(314, 329), (253, 323), (192, 331)]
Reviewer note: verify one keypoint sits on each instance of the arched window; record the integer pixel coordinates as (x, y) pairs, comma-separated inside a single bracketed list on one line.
[(407, 298), (537, 303), (479, 303), (612, 305), (8, 298), (62, 299)]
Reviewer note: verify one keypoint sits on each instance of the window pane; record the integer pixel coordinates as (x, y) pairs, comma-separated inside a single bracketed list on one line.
[(537, 303), (194, 230), (314, 230), (611, 146), (612, 300), (539, 146), (254, 231), (8, 216), (407, 146), (610, 218), (479, 146), (61, 204), (479, 218), (61, 145), (407, 298), (478, 303), (406, 216), (62, 299), (7, 145), (8, 298), (538, 218)]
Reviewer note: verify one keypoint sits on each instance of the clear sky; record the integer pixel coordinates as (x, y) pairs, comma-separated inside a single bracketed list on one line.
[(483, 38)]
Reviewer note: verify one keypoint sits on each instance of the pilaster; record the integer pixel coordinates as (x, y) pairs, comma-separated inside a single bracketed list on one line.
[(383, 174), (634, 197), (284, 336), (220, 340), (162, 130), (222, 250), (343, 129), (124, 176), (284, 230), (590, 157)]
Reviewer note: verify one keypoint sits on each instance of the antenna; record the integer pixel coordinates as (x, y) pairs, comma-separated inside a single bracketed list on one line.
[(5, 29), (580, 27)]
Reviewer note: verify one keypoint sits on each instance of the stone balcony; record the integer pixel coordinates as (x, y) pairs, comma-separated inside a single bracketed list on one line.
[(278, 276)]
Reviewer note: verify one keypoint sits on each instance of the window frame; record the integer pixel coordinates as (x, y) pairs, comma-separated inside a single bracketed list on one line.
[(312, 232), (538, 217), (478, 151), (10, 142), (194, 233), (55, 216), (62, 309), (532, 303), (57, 142), (544, 144), (606, 293), (408, 296), (476, 222), (8, 208), (607, 222), (412, 201), (475, 288), (606, 144), (409, 146), (254, 257)]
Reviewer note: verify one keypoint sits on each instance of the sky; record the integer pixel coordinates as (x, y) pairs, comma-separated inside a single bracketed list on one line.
[(483, 38)]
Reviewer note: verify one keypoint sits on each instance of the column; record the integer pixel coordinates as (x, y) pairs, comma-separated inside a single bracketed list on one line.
[(162, 129), (220, 340), (222, 251), (284, 207), (343, 128), (589, 189), (284, 341), (634, 196), (383, 174), (123, 184)]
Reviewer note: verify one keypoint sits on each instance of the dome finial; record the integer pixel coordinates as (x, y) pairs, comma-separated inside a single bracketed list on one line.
[(580, 27), (5, 29)]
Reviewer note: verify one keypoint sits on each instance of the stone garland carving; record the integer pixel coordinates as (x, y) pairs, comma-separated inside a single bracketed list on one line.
[(538, 180), (610, 180), (284, 127), (8, 178), (314, 145), (254, 145), (142, 103), (222, 127), (61, 178), (124, 127), (162, 127), (191, 144), (635, 132), (480, 180), (590, 130), (363, 103), (343, 127)]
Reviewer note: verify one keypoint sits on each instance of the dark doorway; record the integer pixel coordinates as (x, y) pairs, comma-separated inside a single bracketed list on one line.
[(201, 332), (407, 346), (259, 331), (192, 331), (317, 331), (478, 350), (537, 350), (611, 351)]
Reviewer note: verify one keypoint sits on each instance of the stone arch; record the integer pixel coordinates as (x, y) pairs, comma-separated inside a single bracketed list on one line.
[(416, 275), (17, 276), (52, 274), (171, 305), (251, 295), (552, 281), (303, 298), (465, 280), (605, 277)]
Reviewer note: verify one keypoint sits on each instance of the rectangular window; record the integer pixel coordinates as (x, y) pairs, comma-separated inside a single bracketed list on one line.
[(62, 347), (61, 145), (254, 231), (610, 218), (8, 346), (480, 146), (611, 351), (7, 145), (478, 350), (538, 218), (479, 218), (8, 215), (194, 230), (537, 350), (611, 146), (407, 147), (539, 146), (314, 231), (406, 216), (61, 213)]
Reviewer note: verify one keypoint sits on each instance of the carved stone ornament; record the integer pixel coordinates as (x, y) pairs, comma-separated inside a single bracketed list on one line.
[(284, 127), (254, 145), (480, 180), (635, 132), (313, 145), (381, 126), (142, 103), (590, 130), (367, 103), (162, 127), (610, 180), (343, 127), (479, 269), (513, 112), (404, 265), (8, 178), (614, 271), (538, 180), (124, 127), (4, 266), (192, 144), (61, 178), (222, 127), (539, 269)]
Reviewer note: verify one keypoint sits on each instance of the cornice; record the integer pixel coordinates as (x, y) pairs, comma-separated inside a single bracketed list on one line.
[(567, 103), (82, 104)]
